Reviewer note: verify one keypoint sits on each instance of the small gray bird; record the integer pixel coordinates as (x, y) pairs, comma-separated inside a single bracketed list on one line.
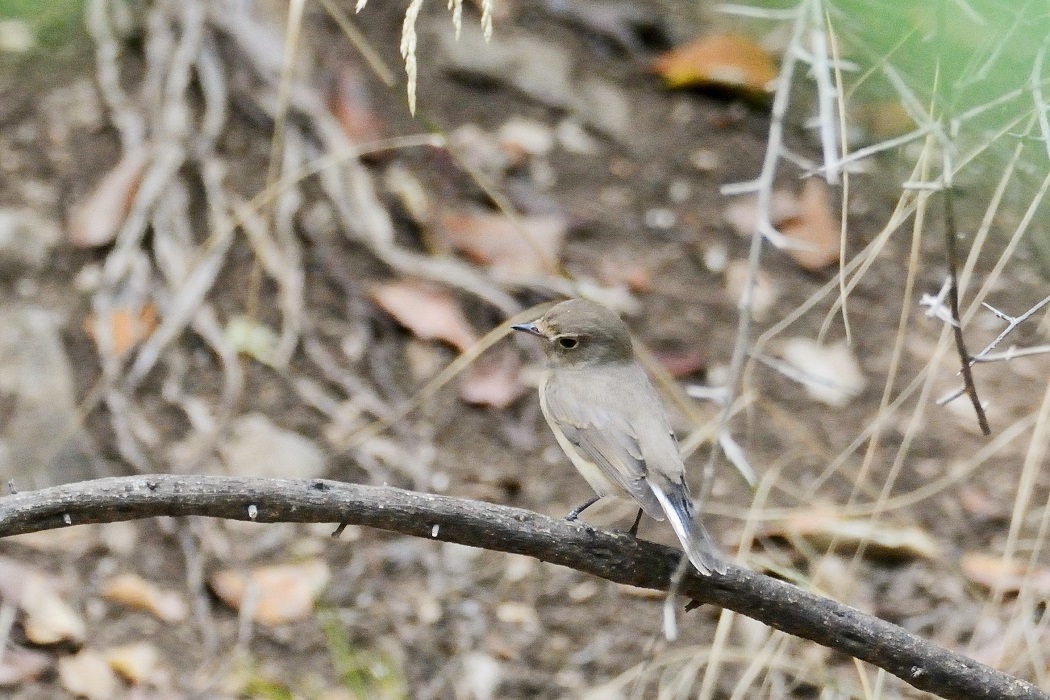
[(607, 417)]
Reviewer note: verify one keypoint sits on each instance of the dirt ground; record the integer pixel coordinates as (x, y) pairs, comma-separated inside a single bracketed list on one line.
[(402, 617)]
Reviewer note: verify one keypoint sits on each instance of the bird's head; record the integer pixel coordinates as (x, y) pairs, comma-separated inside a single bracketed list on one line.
[(581, 333)]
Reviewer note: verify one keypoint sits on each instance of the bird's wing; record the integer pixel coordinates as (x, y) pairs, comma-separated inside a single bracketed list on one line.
[(589, 408), (614, 418)]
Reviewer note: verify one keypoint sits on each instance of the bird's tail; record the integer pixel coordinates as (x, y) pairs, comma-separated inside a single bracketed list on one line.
[(691, 532)]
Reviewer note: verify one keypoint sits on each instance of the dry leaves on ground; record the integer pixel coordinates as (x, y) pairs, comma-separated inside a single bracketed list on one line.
[(88, 675), (829, 373), (48, 618), (995, 573), (815, 230), (96, 219), (275, 594), (878, 538), (125, 327), (807, 221), (723, 60), (494, 380), (138, 593), (431, 313), (511, 253)]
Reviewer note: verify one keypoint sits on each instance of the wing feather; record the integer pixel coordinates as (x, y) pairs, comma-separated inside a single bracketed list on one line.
[(597, 420), (629, 440)]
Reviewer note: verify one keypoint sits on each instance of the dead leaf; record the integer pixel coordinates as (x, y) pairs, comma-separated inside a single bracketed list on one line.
[(742, 212), (764, 293), (126, 327), (829, 373), (87, 675), (493, 240), (822, 527), (979, 504), (96, 219), (493, 381), (522, 139), (137, 663), (1009, 576), (278, 594), (20, 666), (724, 60), (48, 618), (815, 229), (138, 593), (520, 614), (682, 361), (351, 105), (430, 312), (618, 269)]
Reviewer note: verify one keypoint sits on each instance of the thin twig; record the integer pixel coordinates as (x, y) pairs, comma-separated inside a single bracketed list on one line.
[(763, 228), (953, 297)]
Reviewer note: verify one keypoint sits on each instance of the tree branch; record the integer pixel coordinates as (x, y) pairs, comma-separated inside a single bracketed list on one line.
[(610, 555)]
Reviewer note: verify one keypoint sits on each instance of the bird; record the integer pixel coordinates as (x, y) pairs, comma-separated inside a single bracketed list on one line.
[(608, 418)]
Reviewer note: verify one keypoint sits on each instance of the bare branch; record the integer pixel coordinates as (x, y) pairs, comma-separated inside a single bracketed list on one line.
[(965, 359), (610, 555)]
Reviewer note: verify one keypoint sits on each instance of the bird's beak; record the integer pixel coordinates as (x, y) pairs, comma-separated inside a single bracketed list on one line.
[(529, 328)]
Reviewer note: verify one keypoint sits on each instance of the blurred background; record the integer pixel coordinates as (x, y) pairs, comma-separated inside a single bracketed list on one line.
[(284, 239)]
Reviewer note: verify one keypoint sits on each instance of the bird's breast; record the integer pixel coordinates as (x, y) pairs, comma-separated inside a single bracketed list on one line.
[(590, 471)]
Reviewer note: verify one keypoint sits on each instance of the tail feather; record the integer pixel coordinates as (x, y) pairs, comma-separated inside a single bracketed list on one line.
[(691, 532)]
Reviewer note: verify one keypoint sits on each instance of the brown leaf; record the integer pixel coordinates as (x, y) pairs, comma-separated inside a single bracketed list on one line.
[(830, 373), (978, 503), (494, 241), (430, 312), (617, 269), (96, 219), (352, 107), (1009, 576), (138, 593), (724, 60), (815, 228), (764, 292), (48, 618), (20, 666), (493, 381), (126, 327), (823, 527), (742, 212), (87, 675), (137, 663), (277, 594), (682, 361)]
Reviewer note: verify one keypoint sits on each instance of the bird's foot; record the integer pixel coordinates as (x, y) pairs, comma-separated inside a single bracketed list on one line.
[(633, 532)]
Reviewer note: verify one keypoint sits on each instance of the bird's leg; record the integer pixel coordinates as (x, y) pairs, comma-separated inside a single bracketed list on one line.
[(575, 512), (633, 532)]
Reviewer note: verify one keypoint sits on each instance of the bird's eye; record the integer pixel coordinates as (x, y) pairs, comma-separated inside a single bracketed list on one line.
[(568, 342)]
